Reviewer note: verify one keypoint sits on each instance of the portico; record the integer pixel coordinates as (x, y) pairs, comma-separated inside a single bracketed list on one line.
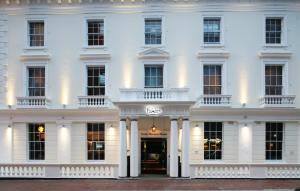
[(157, 121)]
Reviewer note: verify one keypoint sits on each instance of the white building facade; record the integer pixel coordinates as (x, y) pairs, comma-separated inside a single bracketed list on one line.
[(123, 88)]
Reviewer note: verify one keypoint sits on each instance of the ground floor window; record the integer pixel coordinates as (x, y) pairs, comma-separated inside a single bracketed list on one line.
[(213, 140), (95, 141), (274, 140), (36, 138)]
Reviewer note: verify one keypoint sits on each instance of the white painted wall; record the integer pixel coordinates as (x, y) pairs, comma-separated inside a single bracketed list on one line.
[(6, 138)]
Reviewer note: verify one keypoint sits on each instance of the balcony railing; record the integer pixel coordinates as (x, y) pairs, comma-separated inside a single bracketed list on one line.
[(278, 101), (154, 94), (94, 101), (215, 100), (32, 102)]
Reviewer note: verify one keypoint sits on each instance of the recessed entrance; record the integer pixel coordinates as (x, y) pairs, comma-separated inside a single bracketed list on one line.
[(154, 155)]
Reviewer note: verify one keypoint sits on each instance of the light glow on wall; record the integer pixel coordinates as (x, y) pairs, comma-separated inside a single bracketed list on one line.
[(10, 95), (243, 87), (65, 89), (182, 72), (127, 75)]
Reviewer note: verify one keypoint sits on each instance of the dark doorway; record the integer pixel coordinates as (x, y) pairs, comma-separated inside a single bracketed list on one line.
[(154, 156)]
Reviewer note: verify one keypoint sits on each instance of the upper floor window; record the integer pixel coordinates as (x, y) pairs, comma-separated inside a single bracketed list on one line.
[(274, 30), (36, 81), (212, 78), (95, 32), (154, 76), (213, 140), (273, 79), (274, 139), (153, 31), (36, 141), (95, 141), (212, 30), (36, 33), (96, 80)]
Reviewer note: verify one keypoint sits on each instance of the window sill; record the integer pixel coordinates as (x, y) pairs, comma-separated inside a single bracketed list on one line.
[(94, 47), (271, 162), (275, 45), (212, 45), (154, 46), (36, 48), (207, 161)]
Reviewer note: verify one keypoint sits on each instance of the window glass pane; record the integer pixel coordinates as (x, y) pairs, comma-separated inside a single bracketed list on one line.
[(274, 136), (213, 140), (95, 141), (153, 31), (212, 79), (95, 80), (212, 30), (36, 141), (36, 81), (36, 33), (95, 33), (153, 76), (273, 30), (273, 79)]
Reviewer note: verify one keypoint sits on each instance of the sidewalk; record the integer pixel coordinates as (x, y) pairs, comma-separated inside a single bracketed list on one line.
[(145, 184)]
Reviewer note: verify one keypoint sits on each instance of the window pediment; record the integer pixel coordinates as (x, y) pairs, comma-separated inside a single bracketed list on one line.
[(95, 56), (213, 54), (154, 53)]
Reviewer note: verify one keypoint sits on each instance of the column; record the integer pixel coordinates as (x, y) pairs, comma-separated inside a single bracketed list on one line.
[(185, 166), (6, 140), (298, 142), (245, 142), (134, 148), (64, 141), (174, 148), (123, 149)]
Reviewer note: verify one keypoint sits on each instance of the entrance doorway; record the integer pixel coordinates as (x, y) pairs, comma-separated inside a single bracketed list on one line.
[(154, 155)]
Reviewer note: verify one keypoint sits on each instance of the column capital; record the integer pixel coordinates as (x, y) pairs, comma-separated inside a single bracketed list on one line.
[(123, 119), (185, 119), (134, 119), (174, 119)]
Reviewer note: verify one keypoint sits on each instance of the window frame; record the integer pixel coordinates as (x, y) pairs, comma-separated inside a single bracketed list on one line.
[(285, 77), (86, 142), (85, 65), (222, 31), (85, 38), (87, 76), (28, 146), (283, 30), (210, 65), (26, 74), (283, 143), (223, 63), (163, 75), (222, 146), (163, 36), (27, 38)]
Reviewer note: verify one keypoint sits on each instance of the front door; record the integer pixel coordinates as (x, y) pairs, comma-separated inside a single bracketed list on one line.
[(154, 155)]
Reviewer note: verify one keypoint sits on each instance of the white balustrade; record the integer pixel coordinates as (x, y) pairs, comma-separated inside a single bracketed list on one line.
[(154, 94), (215, 100), (278, 100), (93, 101), (88, 171), (22, 171), (32, 102), (245, 170)]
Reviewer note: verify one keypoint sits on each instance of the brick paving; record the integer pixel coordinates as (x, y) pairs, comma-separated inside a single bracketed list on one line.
[(146, 184)]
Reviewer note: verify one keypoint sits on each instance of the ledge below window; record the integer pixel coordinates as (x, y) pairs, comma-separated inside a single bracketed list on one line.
[(33, 102), (278, 101)]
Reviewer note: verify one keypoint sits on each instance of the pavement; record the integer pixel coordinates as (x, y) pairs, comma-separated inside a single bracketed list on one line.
[(146, 184)]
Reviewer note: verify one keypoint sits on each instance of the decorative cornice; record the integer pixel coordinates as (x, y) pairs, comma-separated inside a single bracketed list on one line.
[(35, 57), (95, 56), (275, 54), (154, 53), (213, 54)]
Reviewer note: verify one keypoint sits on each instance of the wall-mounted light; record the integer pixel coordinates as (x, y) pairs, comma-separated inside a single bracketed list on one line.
[(197, 125), (244, 104), (111, 126), (9, 106), (9, 125), (64, 106), (245, 125)]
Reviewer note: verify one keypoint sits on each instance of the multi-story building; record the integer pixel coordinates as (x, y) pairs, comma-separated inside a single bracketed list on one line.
[(190, 88)]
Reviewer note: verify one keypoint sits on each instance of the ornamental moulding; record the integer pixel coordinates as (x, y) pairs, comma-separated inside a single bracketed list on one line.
[(154, 53), (95, 56), (35, 57), (213, 54), (275, 54)]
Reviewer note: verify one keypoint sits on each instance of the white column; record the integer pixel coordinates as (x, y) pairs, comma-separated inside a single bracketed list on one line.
[(134, 148), (64, 142), (6, 142), (299, 142), (123, 149), (174, 148), (245, 142), (185, 166)]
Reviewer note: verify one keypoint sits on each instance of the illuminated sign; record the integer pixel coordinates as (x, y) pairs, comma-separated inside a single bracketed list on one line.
[(153, 110)]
